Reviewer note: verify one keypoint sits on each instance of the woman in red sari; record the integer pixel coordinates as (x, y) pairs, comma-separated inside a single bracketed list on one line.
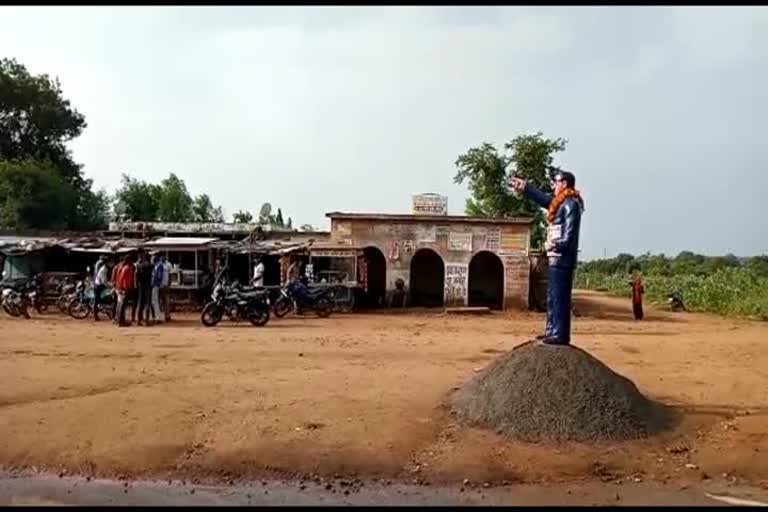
[(637, 296)]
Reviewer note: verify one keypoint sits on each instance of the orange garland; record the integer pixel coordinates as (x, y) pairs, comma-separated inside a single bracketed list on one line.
[(558, 200)]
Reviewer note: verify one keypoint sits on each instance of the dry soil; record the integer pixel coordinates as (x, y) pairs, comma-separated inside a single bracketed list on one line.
[(363, 394)]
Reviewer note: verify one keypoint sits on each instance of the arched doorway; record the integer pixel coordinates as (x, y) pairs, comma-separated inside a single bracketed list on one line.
[(376, 277), (486, 281), (427, 279)]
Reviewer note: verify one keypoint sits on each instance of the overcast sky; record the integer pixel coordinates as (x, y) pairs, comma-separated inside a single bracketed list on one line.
[(358, 108)]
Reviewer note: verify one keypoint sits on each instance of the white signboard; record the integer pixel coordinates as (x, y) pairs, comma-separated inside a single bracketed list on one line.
[(460, 242), (426, 235), (430, 204), (493, 239), (456, 277)]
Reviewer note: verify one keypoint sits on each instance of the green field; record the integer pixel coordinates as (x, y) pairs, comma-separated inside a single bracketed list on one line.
[(723, 285)]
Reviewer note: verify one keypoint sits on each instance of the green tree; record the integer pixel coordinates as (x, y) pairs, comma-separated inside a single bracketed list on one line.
[(203, 210), (487, 173), (278, 220), (242, 217), (140, 199), (289, 224), (36, 123), (175, 204), (35, 119), (93, 209), (33, 195), (307, 227)]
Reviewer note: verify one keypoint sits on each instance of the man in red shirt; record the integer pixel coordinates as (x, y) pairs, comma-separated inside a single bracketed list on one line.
[(124, 282)]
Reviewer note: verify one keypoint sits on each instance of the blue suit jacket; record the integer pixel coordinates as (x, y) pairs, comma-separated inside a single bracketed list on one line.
[(568, 217)]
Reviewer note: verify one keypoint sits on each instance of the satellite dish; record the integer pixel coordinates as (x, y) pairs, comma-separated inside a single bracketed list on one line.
[(120, 208), (266, 209)]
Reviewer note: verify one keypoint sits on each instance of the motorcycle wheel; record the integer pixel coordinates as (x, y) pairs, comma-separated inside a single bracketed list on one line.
[(41, 307), (282, 307), (25, 310), (323, 307), (79, 310), (211, 314), (259, 317), (11, 309), (61, 303), (106, 309)]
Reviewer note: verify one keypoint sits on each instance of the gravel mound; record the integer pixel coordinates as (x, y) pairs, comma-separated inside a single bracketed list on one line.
[(540, 392)]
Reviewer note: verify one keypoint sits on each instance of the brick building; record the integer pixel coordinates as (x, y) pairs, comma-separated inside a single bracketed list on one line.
[(441, 259)]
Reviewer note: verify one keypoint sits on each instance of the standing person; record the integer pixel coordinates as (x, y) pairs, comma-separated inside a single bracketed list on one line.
[(126, 277), (206, 285), (100, 281), (221, 271), (564, 218), (144, 288), (258, 273), (115, 274), (132, 293), (158, 269), (165, 290), (637, 296), (294, 270)]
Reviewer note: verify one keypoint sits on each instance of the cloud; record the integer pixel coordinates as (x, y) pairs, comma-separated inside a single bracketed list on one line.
[(357, 108)]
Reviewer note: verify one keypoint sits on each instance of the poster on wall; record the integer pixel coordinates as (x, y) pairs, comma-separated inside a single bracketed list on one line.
[(343, 229), (512, 243), (460, 242), (493, 240), (456, 284), (393, 253), (426, 235)]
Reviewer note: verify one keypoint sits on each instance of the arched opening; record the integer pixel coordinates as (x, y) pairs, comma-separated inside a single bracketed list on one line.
[(486, 281), (375, 277), (427, 279)]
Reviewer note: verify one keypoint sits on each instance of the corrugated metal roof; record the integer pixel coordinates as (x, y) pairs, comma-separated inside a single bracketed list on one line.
[(173, 241)]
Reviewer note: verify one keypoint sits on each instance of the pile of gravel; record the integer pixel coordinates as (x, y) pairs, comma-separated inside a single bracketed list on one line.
[(541, 392)]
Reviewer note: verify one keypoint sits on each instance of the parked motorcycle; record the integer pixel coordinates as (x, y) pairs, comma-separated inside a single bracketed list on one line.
[(675, 301), (280, 302), (65, 292), (237, 304), (80, 305), (316, 298), (33, 290), (14, 302)]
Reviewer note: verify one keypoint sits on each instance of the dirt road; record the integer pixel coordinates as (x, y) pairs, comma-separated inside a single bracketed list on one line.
[(360, 395), (79, 491)]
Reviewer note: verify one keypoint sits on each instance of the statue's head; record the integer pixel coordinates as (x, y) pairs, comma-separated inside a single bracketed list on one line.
[(562, 180)]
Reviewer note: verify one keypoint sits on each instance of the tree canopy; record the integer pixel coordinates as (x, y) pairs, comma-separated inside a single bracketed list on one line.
[(36, 122), (487, 172)]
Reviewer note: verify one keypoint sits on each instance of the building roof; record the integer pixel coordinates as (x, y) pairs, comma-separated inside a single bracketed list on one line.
[(335, 245), (20, 245), (429, 218), (181, 241), (194, 227)]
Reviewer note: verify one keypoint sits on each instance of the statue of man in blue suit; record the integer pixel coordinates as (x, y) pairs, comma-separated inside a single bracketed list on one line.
[(564, 211)]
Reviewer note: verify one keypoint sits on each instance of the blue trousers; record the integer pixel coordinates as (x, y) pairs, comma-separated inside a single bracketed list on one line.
[(559, 286)]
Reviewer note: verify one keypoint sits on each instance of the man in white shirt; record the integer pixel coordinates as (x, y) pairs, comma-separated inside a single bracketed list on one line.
[(258, 273), (100, 282)]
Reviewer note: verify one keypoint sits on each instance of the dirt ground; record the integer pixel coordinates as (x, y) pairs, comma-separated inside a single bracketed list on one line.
[(361, 394)]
